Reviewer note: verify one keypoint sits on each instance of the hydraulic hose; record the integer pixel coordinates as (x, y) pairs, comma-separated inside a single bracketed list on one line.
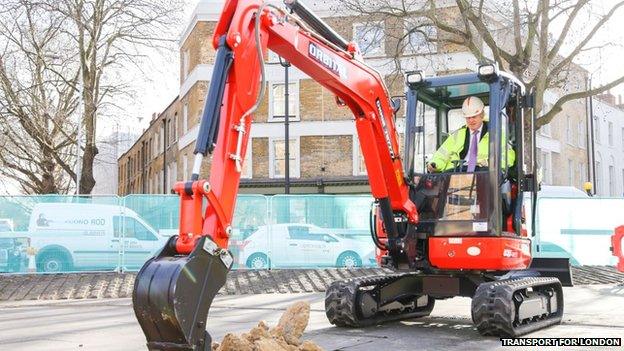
[(373, 228)]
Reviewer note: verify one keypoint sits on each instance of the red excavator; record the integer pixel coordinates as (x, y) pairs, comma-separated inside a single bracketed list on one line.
[(447, 234)]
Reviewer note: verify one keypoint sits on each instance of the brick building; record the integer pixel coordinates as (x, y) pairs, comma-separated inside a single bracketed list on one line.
[(608, 113), (562, 144), (324, 148)]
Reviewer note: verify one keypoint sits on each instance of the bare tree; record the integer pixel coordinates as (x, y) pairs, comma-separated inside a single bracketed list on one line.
[(109, 36), (539, 41), (75, 55), (37, 136)]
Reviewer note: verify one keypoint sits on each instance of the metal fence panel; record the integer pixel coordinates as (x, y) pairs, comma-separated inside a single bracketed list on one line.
[(580, 229), (54, 233)]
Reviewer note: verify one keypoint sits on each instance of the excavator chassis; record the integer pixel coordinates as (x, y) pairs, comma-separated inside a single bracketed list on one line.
[(506, 307)]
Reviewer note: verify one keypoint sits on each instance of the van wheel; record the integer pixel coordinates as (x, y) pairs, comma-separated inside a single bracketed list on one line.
[(258, 261), (349, 259), (53, 263)]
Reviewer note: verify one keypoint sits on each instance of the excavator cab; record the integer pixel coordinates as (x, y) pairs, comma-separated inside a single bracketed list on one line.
[(455, 201), (492, 201)]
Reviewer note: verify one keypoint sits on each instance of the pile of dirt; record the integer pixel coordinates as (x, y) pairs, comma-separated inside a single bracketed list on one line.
[(286, 336)]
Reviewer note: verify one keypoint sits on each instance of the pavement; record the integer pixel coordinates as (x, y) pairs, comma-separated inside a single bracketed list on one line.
[(98, 285), (109, 324)]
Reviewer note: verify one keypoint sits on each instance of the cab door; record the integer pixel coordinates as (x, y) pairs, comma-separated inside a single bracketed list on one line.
[(293, 253)]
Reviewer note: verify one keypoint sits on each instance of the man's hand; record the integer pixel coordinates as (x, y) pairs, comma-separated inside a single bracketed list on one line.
[(431, 167)]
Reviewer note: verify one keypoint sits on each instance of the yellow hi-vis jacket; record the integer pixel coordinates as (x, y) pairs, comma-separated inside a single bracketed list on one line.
[(455, 148)]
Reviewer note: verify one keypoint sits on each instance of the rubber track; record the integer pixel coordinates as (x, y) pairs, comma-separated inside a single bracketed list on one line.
[(341, 302), (493, 309)]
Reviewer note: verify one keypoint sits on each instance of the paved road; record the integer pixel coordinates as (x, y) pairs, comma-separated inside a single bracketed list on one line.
[(109, 324)]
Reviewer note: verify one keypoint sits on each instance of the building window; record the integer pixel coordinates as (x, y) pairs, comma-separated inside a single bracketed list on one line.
[(185, 167), (546, 166), (418, 36), (581, 134), (169, 127), (611, 180), (277, 168), (359, 167), (172, 175), (570, 172), (582, 174), (246, 173), (610, 133), (175, 127), (622, 139), (597, 136), (277, 102), (185, 63), (162, 138), (370, 38), (569, 138), (545, 129), (599, 180), (185, 118)]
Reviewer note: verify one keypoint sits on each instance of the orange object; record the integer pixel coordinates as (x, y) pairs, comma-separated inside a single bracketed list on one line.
[(616, 246), (496, 253)]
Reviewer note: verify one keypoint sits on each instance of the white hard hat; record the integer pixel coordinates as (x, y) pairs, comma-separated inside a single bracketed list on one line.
[(472, 106)]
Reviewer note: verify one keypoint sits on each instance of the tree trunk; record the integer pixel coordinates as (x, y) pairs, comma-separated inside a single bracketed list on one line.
[(48, 185), (87, 181)]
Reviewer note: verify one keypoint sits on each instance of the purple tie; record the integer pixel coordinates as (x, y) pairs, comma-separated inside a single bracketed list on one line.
[(472, 162)]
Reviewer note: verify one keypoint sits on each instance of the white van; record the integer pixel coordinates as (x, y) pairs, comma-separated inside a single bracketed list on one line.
[(74, 236), (304, 245)]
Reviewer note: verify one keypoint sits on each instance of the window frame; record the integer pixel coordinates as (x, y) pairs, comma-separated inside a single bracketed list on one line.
[(382, 48), (358, 157), (546, 130), (248, 157), (185, 124), (295, 170), (293, 117), (569, 133), (610, 133), (186, 63), (407, 47)]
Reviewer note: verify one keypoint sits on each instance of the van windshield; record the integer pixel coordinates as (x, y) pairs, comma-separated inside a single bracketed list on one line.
[(131, 228)]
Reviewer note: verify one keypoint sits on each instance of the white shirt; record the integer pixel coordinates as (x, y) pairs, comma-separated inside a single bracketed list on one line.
[(467, 159)]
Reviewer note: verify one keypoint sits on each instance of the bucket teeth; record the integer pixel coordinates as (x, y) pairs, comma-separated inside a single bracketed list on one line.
[(173, 293)]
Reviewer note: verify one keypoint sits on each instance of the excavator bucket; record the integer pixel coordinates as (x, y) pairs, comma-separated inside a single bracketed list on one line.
[(173, 293)]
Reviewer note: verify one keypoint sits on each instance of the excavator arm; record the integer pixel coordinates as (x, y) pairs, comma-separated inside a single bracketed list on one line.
[(174, 290)]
